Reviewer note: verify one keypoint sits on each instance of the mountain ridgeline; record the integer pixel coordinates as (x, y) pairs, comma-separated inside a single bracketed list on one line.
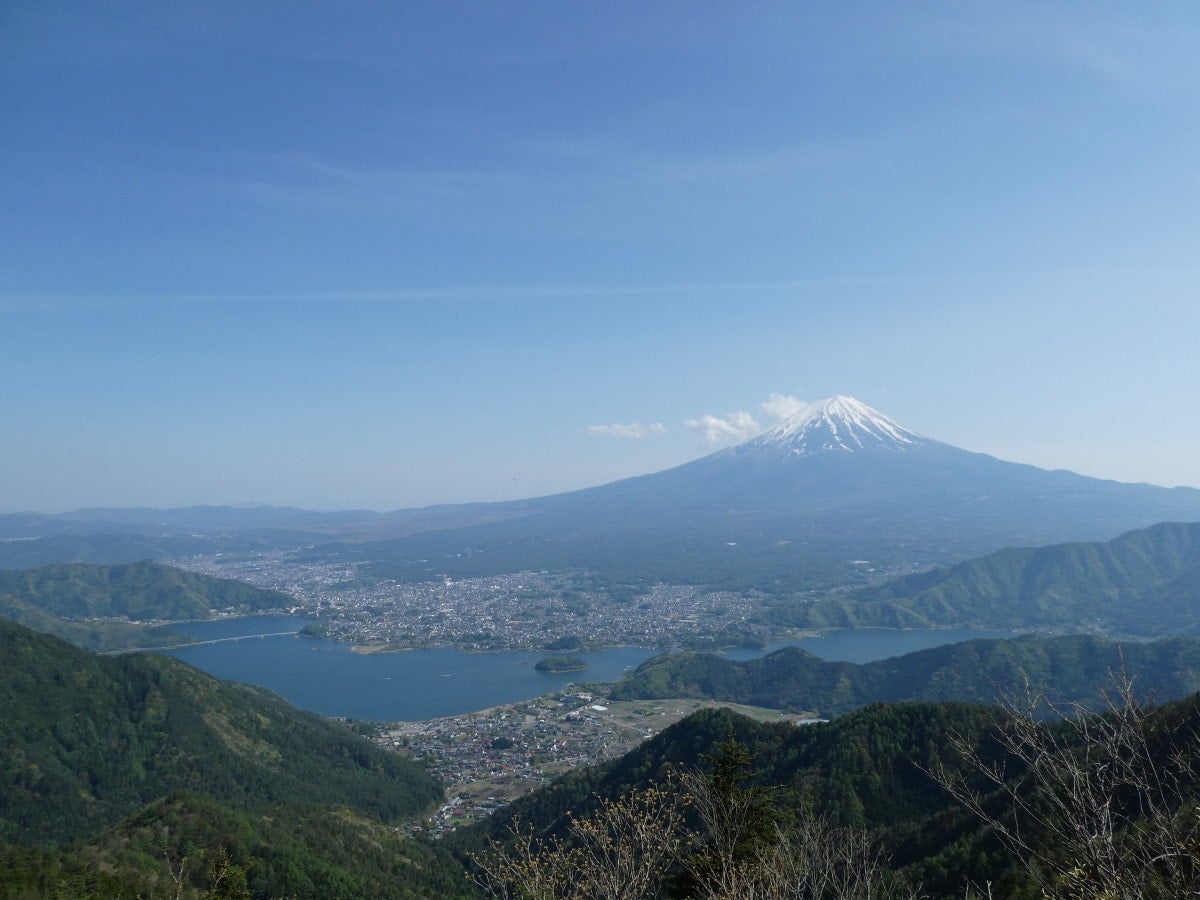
[(872, 769), (796, 508), (140, 762), (1144, 582), (793, 509), (101, 607), (1068, 670)]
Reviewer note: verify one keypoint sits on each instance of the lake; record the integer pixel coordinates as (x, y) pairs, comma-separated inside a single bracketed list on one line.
[(329, 678)]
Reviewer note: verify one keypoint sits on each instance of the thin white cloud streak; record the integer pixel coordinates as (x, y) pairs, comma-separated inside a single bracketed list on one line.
[(627, 431), (715, 431), (37, 302), (551, 174), (309, 183), (605, 163), (1133, 51)]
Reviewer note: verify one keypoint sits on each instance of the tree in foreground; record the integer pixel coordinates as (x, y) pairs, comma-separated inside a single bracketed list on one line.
[(621, 851), (1094, 805), (739, 845)]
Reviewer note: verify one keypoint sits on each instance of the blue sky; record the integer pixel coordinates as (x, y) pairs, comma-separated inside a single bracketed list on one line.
[(387, 255)]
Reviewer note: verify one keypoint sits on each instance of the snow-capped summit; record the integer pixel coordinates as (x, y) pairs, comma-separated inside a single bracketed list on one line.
[(837, 423)]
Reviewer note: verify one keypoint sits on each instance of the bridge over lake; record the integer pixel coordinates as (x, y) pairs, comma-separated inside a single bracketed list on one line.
[(222, 640)]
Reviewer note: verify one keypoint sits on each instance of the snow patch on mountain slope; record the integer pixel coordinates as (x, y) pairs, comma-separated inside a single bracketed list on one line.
[(836, 423)]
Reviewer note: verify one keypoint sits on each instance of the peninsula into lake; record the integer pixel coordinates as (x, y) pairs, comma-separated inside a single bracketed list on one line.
[(561, 664)]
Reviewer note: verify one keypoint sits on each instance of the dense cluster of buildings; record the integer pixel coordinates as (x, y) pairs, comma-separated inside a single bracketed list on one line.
[(519, 611), (489, 757)]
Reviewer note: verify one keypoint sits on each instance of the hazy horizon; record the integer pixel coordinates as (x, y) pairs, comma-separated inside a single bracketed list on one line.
[(385, 257)]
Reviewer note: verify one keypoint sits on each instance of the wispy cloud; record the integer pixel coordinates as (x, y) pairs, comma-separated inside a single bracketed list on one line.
[(499, 292), (782, 406), (608, 163), (715, 431), (299, 183), (558, 177), (627, 431), (40, 302)]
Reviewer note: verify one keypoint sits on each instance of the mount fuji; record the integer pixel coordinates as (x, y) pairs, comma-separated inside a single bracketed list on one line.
[(839, 494), (839, 423), (836, 494)]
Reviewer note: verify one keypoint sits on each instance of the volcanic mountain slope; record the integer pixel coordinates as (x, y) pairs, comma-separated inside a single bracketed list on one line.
[(800, 506), (792, 508)]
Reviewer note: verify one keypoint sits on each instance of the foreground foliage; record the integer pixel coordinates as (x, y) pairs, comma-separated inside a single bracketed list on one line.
[(706, 834), (1104, 805), (961, 800)]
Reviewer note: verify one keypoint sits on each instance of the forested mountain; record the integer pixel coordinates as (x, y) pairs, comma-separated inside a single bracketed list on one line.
[(220, 851), (140, 762), (1069, 669), (873, 770), (864, 769), (143, 590), (66, 599), (1144, 582)]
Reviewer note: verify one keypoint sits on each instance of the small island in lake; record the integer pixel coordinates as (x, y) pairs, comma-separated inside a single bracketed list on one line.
[(561, 664)]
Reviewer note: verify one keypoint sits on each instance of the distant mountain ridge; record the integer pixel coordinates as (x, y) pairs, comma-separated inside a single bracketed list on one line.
[(796, 508), (1144, 582), (792, 509), (1069, 669), (62, 599), (141, 519)]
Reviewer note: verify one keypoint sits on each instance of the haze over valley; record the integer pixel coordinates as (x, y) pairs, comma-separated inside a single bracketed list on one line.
[(806, 525)]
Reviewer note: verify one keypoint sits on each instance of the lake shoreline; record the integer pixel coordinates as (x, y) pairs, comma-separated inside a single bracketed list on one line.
[(337, 679)]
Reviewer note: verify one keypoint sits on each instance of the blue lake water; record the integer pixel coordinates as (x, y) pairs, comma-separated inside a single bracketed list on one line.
[(329, 678), (869, 644)]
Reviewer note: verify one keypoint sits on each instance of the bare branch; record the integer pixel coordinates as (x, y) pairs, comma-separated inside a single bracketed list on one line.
[(1092, 808)]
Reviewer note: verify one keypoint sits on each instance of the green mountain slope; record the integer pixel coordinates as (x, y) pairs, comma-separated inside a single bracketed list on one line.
[(869, 769), (866, 769), (143, 760), (1069, 669), (291, 851), (1144, 582), (101, 636), (99, 607), (88, 740), (141, 590)]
